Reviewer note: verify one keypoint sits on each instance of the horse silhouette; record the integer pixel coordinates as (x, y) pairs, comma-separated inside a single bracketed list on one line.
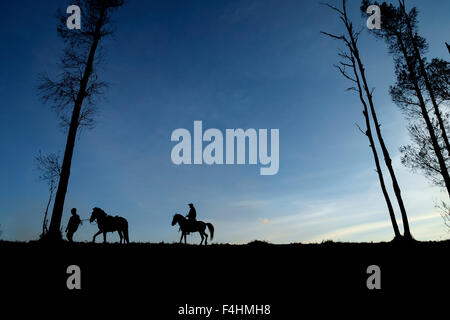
[(187, 226), (107, 223)]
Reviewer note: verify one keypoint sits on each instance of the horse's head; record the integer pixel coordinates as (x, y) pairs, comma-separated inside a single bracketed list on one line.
[(176, 218), (95, 214)]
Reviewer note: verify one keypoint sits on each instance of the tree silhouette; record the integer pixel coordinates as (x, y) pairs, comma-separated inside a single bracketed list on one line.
[(419, 45), (352, 60), (75, 93), (50, 171), (439, 74), (413, 84), (419, 155)]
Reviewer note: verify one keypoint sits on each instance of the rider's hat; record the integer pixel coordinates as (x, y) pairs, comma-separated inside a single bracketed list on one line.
[(190, 204)]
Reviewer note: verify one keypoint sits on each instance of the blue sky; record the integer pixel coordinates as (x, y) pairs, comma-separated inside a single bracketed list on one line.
[(232, 64)]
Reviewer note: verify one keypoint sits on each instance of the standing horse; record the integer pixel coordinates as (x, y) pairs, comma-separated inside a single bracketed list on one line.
[(193, 226), (107, 223)]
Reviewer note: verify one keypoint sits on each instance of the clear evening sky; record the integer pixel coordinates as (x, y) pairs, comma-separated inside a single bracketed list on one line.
[(232, 64)]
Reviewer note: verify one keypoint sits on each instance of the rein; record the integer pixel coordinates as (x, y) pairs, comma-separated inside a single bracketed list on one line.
[(87, 220)]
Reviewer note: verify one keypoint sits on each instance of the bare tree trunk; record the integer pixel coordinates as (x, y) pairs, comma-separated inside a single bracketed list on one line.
[(369, 135), (44, 223), (426, 79), (387, 158), (58, 207), (354, 57)]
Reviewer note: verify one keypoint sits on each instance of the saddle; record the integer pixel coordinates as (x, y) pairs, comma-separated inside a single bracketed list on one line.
[(190, 224)]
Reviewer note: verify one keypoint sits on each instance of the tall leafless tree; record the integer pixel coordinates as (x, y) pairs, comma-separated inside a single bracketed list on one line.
[(76, 91), (352, 61), (50, 171)]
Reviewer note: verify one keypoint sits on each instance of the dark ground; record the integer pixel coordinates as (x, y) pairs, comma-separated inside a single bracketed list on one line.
[(158, 278)]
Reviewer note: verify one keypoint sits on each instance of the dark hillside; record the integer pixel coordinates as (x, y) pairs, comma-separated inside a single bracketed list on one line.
[(171, 275)]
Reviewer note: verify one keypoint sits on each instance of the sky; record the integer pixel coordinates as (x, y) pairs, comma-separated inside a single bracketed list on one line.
[(259, 64)]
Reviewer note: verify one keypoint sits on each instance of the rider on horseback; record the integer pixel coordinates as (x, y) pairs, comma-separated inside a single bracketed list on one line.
[(192, 215), (189, 224)]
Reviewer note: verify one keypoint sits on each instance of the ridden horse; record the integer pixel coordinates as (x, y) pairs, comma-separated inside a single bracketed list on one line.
[(187, 226), (107, 223)]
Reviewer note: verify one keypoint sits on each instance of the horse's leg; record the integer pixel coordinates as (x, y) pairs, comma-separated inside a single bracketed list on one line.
[(206, 237), (185, 238), (104, 237), (181, 239), (127, 237), (120, 235), (95, 235), (201, 235)]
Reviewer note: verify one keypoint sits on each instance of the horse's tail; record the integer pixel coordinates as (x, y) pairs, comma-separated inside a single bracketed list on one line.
[(125, 232), (211, 230)]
